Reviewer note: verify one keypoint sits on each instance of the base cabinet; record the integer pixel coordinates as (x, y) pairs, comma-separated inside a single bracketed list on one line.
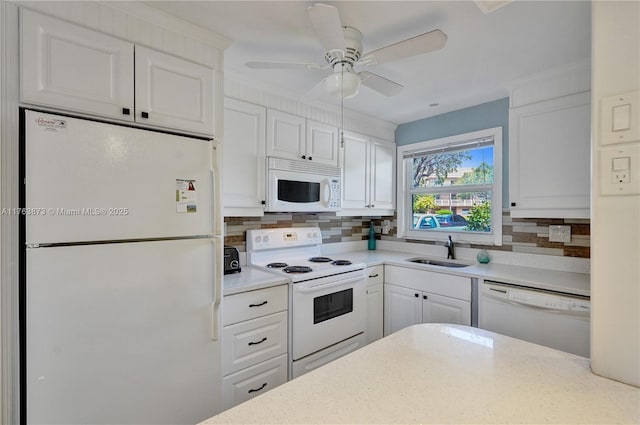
[(375, 303), (252, 381), (254, 343), (415, 296)]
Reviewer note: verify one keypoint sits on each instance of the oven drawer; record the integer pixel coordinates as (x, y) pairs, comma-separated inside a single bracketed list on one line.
[(253, 304), (252, 381), (250, 342), (321, 358)]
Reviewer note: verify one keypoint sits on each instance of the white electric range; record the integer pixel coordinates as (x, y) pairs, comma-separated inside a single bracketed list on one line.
[(328, 304)]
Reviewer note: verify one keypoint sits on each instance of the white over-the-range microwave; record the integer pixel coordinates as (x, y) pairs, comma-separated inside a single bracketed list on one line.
[(297, 186)]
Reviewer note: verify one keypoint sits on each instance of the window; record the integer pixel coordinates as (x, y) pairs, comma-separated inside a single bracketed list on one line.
[(452, 186)]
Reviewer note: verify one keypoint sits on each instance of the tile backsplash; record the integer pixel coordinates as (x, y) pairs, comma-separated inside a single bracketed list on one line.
[(524, 235)]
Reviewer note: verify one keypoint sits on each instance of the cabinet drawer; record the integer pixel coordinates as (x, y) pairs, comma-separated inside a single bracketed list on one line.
[(376, 275), (252, 381), (252, 304), (437, 283), (247, 343)]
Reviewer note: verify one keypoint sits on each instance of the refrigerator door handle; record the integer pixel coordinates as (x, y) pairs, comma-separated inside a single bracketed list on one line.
[(217, 287)]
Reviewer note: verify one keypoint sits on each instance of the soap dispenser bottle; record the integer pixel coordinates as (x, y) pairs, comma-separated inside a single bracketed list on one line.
[(372, 237)]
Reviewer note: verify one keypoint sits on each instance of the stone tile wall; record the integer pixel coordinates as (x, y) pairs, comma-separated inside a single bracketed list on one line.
[(518, 234)]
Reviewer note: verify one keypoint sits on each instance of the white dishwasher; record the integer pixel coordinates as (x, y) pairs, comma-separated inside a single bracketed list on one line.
[(553, 319)]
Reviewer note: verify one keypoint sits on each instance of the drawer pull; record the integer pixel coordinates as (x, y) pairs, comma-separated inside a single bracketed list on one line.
[(258, 305), (257, 389), (375, 275), (259, 342)]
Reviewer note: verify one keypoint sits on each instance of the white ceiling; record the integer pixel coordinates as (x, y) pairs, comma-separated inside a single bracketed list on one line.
[(483, 54)]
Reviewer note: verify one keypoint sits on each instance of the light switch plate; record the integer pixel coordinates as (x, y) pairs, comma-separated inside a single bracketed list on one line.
[(619, 118), (559, 233)]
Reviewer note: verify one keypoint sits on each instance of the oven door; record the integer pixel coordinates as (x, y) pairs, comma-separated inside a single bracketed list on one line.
[(293, 191), (327, 310)]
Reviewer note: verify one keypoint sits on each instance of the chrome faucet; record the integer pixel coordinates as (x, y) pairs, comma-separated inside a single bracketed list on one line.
[(449, 245)]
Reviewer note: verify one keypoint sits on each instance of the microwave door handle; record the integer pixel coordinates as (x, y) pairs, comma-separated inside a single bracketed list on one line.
[(327, 192)]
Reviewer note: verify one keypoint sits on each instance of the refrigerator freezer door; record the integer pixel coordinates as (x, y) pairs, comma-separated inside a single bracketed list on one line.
[(121, 333), (91, 181)]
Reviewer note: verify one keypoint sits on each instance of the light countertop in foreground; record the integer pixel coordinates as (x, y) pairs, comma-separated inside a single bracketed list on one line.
[(433, 373)]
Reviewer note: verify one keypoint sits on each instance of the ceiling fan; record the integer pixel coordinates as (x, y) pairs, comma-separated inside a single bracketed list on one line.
[(343, 46)]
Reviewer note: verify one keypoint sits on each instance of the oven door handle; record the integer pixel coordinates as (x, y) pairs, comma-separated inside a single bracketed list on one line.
[(308, 288)]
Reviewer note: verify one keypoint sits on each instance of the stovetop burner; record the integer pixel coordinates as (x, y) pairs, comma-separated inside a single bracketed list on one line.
[(277, 265), (341, 263), (297, 269), (320, 259)]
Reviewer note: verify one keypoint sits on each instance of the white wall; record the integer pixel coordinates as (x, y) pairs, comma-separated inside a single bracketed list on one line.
[(615, 220)]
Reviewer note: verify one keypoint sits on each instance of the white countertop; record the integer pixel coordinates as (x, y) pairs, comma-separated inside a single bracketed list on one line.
[(568, 282), (250, 279), (432, 373)]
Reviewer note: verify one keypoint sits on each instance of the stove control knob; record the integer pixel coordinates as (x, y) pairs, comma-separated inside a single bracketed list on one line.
[(315, 234), (258, 239), (265, 239), (310, 235)]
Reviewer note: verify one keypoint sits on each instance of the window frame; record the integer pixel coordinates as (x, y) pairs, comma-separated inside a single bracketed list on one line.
[(404, 190)]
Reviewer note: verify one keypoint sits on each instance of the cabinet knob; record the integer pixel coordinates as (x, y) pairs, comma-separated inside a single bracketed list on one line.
[(310, 158), (126, 111), (513, 204), (373, 206), (424, 296), (304, 157), (144, 114), (416, 295), (263, 202)]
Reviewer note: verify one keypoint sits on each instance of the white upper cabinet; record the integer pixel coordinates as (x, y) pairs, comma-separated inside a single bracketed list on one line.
[(355, 171), (72, 68), (294, 137), (383, 188), (549, 148), (172, 92), (322, 143), (368, 175), (243, 165), (285, 135)]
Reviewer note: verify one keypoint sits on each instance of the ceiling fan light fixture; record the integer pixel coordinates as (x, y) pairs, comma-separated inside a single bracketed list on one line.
[(346, 84)]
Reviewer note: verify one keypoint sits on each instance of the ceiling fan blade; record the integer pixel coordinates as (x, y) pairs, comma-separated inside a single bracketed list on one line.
[(281, 65), (326, 23), (380, 84), (424, 43)]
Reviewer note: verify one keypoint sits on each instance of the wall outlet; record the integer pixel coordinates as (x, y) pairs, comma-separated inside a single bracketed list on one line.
[(560, 234), (386, 227)]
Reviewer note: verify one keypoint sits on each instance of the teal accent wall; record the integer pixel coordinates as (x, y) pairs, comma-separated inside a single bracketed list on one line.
[(474, 118)]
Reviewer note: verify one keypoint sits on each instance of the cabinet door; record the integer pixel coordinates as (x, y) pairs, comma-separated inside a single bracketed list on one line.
[(375, 308), (402, 308), (285, 135), (355, 171), (173, 92), (383, 181), (322, 143), (72, 68), (243, 173), (554, 136), (441, 309)]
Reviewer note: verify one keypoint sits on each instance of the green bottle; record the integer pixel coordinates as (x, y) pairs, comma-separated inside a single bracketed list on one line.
[(372, 237)]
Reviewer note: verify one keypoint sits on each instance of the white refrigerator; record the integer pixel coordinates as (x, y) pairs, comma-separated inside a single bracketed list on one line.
[(122, 274)]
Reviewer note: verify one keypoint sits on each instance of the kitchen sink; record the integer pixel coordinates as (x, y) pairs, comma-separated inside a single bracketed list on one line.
[(436, 262)]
